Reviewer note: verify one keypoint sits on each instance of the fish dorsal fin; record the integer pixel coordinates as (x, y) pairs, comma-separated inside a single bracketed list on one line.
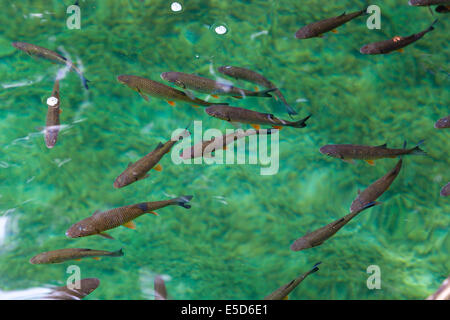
[(343, 14), (382, 146), (159, 146)]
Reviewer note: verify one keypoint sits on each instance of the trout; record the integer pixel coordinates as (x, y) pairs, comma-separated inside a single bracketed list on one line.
[(241, 115), (52, 120), (37, 51), (209, 86), (397, 43), (110, 219), (283, 292), (376, 189), (256, 78), (160, 90), (423, 3), (445, 191), (78, 292), (348, 152), (317, 29), (61, 255), (443, 123)]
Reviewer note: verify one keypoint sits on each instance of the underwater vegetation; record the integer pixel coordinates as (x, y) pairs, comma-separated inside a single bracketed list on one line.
[(241, 224)]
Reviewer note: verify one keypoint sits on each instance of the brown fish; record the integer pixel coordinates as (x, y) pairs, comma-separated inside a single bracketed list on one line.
[(160, 288), (161, 91), (397, 43), (52, 120), (317, 29), (443, 9), (443, 293), (209, 86), (283, 292), (254, 77), (205, 148), (319, 236), (423, 3), (348, 152), (443, 123), (61, 255), (110, 219), (138, 170), (41, 52), (241, 115), (445, 191), (85, 287), (376, 189)]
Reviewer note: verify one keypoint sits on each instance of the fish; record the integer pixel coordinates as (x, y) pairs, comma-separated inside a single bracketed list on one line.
[(443, 123), (86, 287), (44, 53), (423, 3), (205, 148), (100, 222), (162, 91), (376, 189), (443, 293), (61, 255), (443, 9), (283, 292), (319, 236), (256, 78), (348, 152), (241, 115), (138, 170), (317, 29), (160, 288), (445, 191), (52, 121), (215, 88), (397, 43)]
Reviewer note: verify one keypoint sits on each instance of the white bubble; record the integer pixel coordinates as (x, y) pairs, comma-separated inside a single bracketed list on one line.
[(176, 6), (52, 101), (221, 29)]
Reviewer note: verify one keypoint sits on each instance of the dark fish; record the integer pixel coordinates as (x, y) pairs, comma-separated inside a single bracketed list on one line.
[(52, 120), (443, 123), (348, 152), (205, 148), (37, 51), (241, 115), (86, 286), (138, 170), (159, 90), (376, 189), (319, 236), (283, 292), (423, 3), (443, 293), (443, 9), (317, 29), (445, 191), (160, 288), (209, 86), (61, 255), (396, 43), (110, 219), (254, 77)]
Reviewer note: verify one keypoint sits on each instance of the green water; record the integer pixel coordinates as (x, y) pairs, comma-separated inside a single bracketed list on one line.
[(234, 241)]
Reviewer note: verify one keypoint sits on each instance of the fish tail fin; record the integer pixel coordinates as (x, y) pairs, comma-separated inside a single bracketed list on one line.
[(431, 27), (183, 201), (291, 112), (82, 77), (264, 93), (417, 151), (301, 123), (315, 267), (118, 253)]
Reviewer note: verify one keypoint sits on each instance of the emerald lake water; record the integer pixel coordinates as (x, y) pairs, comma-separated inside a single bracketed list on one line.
[(234, 241)]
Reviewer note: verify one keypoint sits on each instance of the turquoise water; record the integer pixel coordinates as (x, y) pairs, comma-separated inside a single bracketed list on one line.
[(234, 241)]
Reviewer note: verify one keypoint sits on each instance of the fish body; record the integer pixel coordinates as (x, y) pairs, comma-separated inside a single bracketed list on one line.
[(241, 115), (376, 189), (79, 291), (160, 90), (283, 292), (348, 152), (443, 123), (317, 29), (209, 86), (47, 54), (317, 237), (110, 219), (423, 3), (204, 148), (52, 120), (445, 191), (61, 255), (256, 78), (396, 43)]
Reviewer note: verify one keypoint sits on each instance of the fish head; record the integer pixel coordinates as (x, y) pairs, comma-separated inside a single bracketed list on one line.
[(80, 229), (51, 135), (125, 79), (367, 49), (36, 259), (226, 70), (414, 2), (303, 33), (172, 77), (19, 45), (330, 150), (123, 180), (217, 111)]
